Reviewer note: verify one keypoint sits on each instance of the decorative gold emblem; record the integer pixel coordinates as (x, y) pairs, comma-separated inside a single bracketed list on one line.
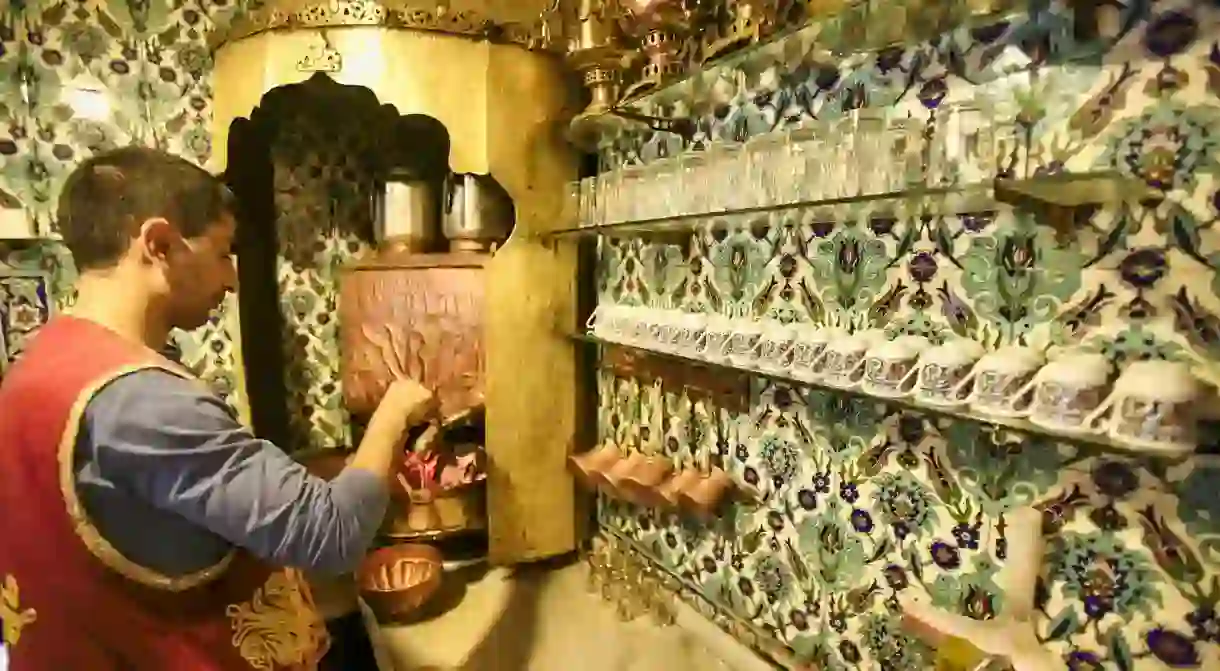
[(279, 627), (14, 618), (322, 57), (392, 14)]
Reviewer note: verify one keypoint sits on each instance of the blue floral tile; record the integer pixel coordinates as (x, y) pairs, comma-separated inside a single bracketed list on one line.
[(859, 502)]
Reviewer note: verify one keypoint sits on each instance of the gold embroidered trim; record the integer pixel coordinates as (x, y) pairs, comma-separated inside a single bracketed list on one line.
[(11, 615), (279, 627), (83, 526)]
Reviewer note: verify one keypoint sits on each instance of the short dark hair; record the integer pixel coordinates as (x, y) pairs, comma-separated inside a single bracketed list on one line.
[(109, 195)]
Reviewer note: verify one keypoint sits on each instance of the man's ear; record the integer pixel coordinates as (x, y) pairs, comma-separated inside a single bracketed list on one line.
[(156, 240)]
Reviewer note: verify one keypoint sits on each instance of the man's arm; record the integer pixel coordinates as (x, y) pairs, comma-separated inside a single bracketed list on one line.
[(172, 443)]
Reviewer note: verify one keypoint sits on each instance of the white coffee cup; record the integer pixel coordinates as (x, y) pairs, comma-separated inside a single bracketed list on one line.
[(994, 384), (843, 365), (806, 353), (1152, 407), (1067, 390), (889, 366), (942, 368)]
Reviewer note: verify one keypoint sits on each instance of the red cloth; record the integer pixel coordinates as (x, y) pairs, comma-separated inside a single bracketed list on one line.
[(68, 600)]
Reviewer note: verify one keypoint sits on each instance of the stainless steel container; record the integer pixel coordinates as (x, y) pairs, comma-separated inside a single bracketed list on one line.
[(407, 213), (478, 213)]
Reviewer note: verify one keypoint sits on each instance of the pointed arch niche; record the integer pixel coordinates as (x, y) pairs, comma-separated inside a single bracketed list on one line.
[(302, 149), (304, 169)]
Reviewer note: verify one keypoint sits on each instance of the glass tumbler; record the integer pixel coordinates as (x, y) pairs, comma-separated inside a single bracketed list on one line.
[(810, 169), (868, 151), (609, 197), (1011, 147), (938, 134), (731, 170), (632, 190), (665, 188), (905, 142), (589, 214), (696, 178), (842, 180), (974, 144), (767, 155), (646, 192)]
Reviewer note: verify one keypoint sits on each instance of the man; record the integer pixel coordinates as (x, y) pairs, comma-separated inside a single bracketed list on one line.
[(141, 527)]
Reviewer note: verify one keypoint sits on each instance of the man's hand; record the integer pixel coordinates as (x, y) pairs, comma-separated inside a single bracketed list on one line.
[(405, 404), (408, 401)]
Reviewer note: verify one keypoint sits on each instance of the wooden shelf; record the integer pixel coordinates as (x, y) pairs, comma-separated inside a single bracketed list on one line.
[(1088, 440)]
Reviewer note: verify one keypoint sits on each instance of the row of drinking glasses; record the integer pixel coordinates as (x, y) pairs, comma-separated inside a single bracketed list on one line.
[(868, 152)]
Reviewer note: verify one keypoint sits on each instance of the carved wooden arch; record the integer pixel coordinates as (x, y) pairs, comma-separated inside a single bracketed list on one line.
[(417, 142)]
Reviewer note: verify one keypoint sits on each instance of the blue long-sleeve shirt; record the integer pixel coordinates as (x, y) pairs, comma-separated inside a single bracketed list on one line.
[(173, 481)]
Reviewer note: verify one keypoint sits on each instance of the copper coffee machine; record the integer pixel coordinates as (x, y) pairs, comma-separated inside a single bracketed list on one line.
[(415, 307)]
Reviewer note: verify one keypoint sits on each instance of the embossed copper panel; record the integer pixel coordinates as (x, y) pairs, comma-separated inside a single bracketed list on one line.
[(422, 322)]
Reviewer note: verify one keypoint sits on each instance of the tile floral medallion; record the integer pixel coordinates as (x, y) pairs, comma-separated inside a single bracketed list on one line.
[(861, 501), (25, 304)]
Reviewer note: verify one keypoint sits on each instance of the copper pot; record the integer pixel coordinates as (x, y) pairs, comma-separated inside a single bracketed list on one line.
[(667, 494), (589, 466), (642, 484), (406, 213), (478, 212), (703, 496), (613, 480)]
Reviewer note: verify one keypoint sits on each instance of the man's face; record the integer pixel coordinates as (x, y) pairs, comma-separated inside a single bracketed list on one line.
[(200, 273)]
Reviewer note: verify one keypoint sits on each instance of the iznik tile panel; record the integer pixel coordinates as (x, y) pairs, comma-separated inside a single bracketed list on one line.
[(862, 502)]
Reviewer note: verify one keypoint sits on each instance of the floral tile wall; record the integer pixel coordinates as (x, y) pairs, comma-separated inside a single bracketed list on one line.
[(322, 192), (25, 304), (862, 501), (150, 63)]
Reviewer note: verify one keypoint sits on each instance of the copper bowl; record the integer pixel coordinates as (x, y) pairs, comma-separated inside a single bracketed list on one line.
[(396, 581)]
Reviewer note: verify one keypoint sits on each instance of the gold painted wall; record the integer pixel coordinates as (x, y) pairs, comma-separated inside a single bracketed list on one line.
[(503, 108)]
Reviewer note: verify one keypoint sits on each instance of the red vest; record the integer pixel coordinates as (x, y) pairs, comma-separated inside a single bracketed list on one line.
[(69, 599)]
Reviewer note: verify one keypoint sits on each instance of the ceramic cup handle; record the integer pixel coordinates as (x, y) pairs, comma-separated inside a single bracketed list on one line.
[(965, 390), (594, 318), (911, 379), (1025, 391), (1100, 419), (699, 346), (857, 368), (819, 360)]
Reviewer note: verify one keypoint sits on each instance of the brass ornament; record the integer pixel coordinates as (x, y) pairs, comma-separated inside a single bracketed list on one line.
[(393, 14), (14, 617), (626, 49), (321, 57)]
